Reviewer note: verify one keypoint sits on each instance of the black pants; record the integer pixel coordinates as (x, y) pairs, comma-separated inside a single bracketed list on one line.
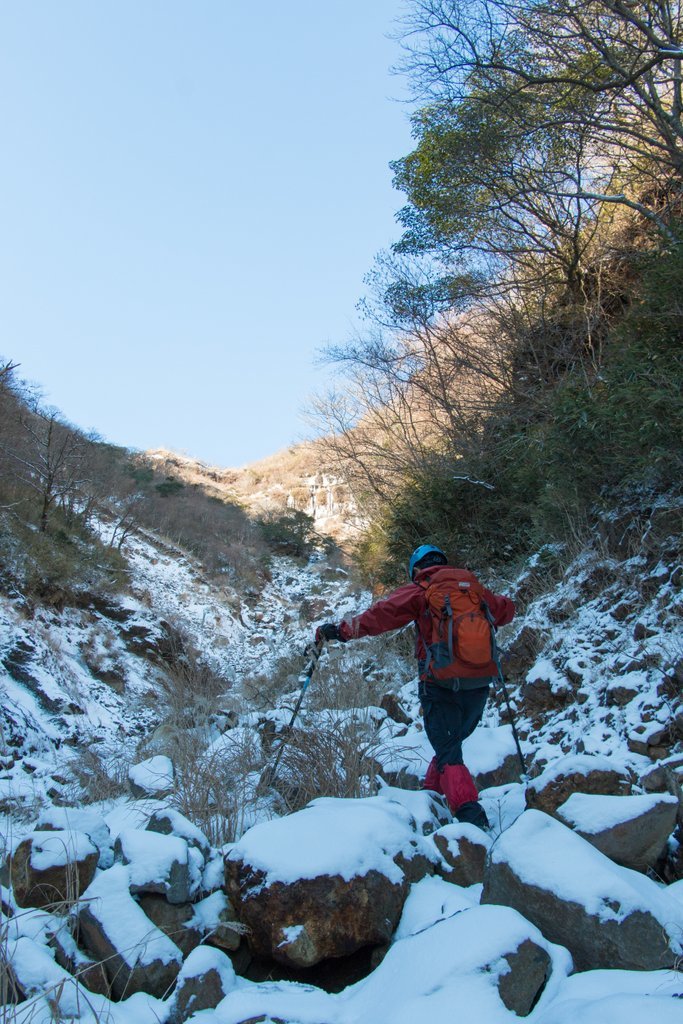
[(449, 718)]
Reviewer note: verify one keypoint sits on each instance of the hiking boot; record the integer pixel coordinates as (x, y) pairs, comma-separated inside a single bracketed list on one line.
[(472, 813)]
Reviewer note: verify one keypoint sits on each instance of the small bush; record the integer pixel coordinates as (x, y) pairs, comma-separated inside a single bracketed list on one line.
[(288, 533), (262, 691), (169, 487), (100, 774)]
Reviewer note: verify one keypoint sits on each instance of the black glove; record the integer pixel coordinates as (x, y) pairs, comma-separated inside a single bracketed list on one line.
[(328, 631)]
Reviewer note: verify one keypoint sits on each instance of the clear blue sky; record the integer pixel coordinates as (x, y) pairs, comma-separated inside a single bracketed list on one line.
[(190, 194)]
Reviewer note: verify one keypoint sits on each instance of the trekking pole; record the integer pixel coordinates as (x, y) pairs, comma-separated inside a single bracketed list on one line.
[(268, 776), (506, 695)]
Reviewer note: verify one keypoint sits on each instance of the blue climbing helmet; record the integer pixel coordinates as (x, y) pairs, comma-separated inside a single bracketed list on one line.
[(422, 552)]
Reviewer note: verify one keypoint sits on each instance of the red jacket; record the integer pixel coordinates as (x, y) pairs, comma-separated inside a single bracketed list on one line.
[(409, 604)]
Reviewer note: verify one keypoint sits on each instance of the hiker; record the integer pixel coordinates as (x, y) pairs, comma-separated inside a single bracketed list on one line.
[(453, 615)]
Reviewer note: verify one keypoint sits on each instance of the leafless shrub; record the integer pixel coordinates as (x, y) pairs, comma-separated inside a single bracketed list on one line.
[(359, 674), (100, 775), (262, 691), (216, 789), (335, 758), (189, 685)]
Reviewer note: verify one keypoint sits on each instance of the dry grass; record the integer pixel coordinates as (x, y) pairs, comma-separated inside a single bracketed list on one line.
[(337, 758), (100, 775), (216, 789), (263, 691)]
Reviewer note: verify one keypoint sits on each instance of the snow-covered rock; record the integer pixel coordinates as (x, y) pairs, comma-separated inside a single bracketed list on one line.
[(606, 915), (491, 756), (330, 879), (158, 863), (82, 819), (49, 868), (32, 972), (138, 957), (630, 830), (486, 962), (484, 950), (71, 958), (175, 920), (464, 849), (152, 777), (432, 900), (626, 996), (205, 979), (576, 773), (170, 822), (215, 917)]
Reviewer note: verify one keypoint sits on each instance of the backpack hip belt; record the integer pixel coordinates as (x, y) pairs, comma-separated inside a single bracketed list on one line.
[(458, 684)]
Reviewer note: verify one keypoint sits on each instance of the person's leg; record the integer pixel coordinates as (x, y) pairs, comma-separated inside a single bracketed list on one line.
[(472, 703), (442, 718), (437, 731), (432, 779), (448, 719)]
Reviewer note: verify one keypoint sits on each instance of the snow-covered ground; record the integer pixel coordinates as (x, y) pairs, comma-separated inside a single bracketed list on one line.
[(595, 670)]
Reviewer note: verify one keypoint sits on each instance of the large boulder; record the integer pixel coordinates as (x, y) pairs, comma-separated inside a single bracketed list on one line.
[(599, 997), (29, 972), (330, 879), (431, 900), (177, 920), (485, 955), (606, 915), (630, 830), (484, 963), (114, 930), (90, 974), (158, 863), (576, 773), (49, 869)]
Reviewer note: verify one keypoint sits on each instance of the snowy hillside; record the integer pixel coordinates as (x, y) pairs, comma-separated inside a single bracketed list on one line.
[(98, 677), (182, 880)]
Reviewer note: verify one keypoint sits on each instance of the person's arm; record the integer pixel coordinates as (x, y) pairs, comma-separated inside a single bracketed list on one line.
[(502, 608), (398, 609)]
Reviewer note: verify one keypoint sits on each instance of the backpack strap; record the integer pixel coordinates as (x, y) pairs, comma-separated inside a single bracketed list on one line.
[(449, 612)]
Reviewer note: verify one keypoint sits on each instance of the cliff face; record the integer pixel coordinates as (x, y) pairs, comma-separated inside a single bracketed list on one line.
[(294, 478), (327, 498)]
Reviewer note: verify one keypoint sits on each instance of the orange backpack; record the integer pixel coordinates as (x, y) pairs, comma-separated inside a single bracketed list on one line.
[(461, 642)]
